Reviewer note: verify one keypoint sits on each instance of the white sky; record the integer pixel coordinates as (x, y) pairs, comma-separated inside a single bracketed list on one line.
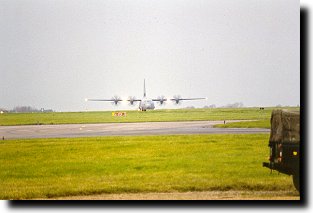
[(54, 54)]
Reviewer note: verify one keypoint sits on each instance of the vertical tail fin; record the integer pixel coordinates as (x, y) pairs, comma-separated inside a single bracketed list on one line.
[(144, 87)]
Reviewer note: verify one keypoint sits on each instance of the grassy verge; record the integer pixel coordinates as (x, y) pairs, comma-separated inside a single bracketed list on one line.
[(247, 124), (48, 168), (135, 116)]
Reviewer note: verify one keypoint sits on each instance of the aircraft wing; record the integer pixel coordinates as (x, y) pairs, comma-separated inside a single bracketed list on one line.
[(87, 99), (159, 99), (133, 99), (116, 100), (176, 99), (186, 99)]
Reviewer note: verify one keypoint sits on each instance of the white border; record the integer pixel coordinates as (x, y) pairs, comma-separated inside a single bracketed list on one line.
[(308, 4)]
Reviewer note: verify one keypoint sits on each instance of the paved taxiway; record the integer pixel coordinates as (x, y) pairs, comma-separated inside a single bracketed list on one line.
[(107, 129)]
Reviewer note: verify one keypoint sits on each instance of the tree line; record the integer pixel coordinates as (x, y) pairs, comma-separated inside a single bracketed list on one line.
[(26, 109)]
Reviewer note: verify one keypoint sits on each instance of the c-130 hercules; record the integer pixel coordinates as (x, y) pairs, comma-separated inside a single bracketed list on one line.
[(145, 103)]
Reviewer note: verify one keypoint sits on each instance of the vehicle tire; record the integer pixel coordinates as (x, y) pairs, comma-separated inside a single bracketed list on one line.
[(296, 181)]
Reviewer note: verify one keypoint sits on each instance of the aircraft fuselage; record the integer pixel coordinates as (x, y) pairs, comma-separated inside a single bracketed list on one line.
[(145, 104)]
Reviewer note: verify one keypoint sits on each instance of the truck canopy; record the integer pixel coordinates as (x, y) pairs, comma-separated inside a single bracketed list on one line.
[(285, 126)]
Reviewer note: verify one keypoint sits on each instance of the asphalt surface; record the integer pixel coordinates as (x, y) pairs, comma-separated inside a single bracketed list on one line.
[(110, 129)]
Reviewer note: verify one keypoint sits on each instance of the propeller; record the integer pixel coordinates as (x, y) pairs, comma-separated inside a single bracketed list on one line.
[(176, 99), (131, 100), (162, 99), (116, 100)]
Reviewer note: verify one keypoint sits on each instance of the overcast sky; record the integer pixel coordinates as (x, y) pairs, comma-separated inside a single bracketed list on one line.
[(54, 54)]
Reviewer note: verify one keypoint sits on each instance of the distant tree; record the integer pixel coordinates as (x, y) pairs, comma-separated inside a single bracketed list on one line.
[(189, 107), (24, 109), (210, 106), (235, 105)]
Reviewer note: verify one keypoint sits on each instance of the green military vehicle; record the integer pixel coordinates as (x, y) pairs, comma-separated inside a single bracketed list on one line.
[(284, 144)]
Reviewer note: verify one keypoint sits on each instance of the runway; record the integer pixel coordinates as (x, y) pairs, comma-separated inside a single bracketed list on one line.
[(111, 129)]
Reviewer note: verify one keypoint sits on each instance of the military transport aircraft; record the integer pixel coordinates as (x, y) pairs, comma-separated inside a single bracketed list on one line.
[(145, 103)]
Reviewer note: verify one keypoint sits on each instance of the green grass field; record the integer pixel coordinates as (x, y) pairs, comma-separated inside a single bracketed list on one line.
[(46, 168), (136, 116)]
